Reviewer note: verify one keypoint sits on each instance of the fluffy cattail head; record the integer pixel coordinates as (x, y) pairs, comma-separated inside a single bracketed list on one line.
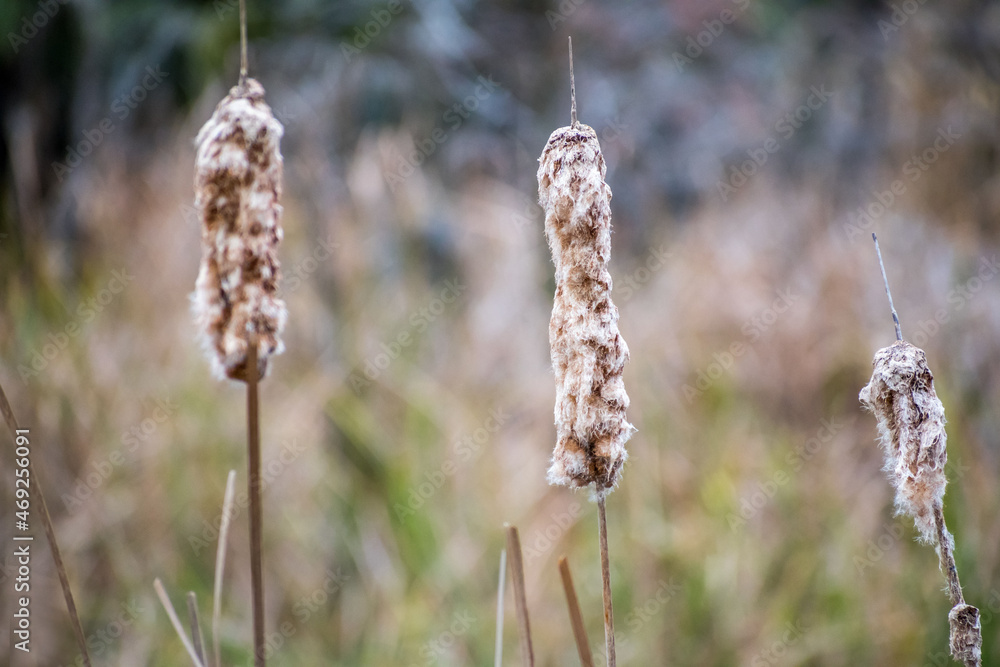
[(911, 427), (588, 353), (237, 192)]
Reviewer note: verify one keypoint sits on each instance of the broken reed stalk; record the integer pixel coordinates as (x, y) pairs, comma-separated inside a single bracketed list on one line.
[(253, 488), (520, 599), (35, 485), (220, 562), (911, 431), (575, 616), (176, 621), (498, 652), (192, 607), (588, 352)]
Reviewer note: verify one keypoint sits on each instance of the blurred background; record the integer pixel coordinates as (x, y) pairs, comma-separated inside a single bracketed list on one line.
[(752, 148)]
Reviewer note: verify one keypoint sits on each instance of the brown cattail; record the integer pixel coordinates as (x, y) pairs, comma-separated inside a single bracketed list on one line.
[(588, 352), (911, 427), (237, 192)]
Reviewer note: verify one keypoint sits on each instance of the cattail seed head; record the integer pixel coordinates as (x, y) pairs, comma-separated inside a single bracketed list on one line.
[(237, 193), (966, 637), (588, 353), (911, 428)]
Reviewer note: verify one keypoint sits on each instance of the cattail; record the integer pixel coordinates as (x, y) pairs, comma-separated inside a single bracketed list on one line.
[(911, 429), (588, 353), (237, 192)]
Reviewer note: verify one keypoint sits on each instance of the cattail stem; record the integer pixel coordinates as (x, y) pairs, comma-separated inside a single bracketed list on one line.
[(50, 533), (609, 617), (520, 600), (948, 566), (498, 653), (575, 616), (895, 318), (253, 484)]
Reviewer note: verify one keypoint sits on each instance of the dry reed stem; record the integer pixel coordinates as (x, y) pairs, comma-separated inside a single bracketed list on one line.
[(609, 616), (520, 599), (256, 529), (192, 607), (588, 353), (575, 616), (220, 561), (498, 651), (175, 621), (911, 430), (238, 183), (50, 533)]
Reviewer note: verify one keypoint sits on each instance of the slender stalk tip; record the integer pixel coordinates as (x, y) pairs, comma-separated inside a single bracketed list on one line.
[(895, 318), (572, 87)]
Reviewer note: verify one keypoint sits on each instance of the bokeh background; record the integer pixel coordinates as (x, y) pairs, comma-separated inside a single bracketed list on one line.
[(752, 146)]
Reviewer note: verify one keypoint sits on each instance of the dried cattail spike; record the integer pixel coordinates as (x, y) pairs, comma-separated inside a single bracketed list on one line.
[(237, 191), (588, 353), (966, 640), (911, 427)]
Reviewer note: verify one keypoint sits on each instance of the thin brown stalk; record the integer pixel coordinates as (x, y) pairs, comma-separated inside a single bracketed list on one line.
[(609, 617), (50, 533), (947, 558), (192, 605), (220, 562), (498, 653), (575, 617), (176, 621), (253, 489), (520, 601)]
